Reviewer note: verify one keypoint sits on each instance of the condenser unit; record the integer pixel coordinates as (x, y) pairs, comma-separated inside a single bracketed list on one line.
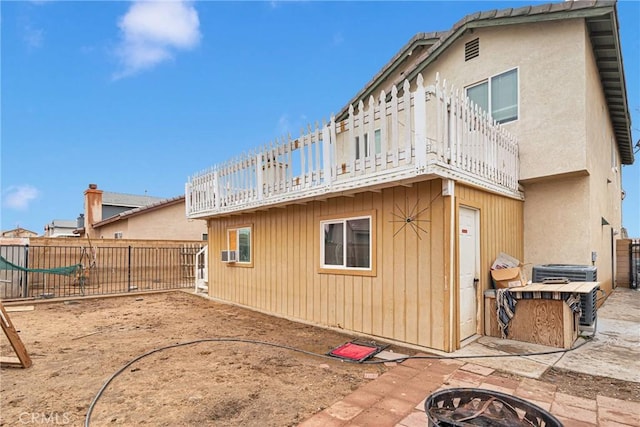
[(575, 273)]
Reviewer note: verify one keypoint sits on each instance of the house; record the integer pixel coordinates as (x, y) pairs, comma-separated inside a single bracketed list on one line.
[(127, 216), (61, 228), (18, 232), (162, 220), (505, 133)]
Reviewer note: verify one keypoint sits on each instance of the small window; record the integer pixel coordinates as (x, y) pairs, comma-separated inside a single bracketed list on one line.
[(377, 140), (117, 235), (471, 49), (239, 240), (498, 95), (205, 236), (377, 136), (347, 244)]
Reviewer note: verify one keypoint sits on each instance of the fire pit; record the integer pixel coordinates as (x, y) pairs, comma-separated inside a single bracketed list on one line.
[(458, 407)]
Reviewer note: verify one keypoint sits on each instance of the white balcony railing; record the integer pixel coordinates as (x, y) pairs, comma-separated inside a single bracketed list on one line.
[(412, 131)]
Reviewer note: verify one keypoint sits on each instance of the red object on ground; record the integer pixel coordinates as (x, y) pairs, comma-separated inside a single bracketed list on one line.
[(353, 351)]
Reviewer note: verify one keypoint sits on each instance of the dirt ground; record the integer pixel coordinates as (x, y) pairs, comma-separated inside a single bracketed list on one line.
[(77, 345)]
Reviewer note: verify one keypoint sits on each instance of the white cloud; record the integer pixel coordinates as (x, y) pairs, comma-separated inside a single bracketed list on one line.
[(287, 126), (33, 37), (152, 31), (284, 126), (20, 196)]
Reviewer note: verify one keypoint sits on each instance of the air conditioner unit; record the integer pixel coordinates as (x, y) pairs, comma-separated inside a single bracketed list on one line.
[(575, 273), (229, 256)]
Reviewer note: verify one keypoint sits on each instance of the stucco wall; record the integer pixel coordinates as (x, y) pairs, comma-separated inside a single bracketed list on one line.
[(574, 207), (564, 133), (166, 223), (550, 61), (604, 174), (555, 225)]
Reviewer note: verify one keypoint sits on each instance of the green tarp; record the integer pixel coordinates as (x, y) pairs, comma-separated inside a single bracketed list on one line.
[(64, 271)]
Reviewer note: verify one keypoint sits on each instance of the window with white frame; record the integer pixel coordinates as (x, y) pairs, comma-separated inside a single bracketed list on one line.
[(347, 243), (239, 240), (497, 95)]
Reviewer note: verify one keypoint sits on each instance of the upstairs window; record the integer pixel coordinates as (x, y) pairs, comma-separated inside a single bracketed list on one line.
[(377, 144), (497, 95)]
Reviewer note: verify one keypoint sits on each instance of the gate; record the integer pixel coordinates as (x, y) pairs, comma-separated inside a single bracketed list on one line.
[(102, 270), (634, 263), (13, 282)]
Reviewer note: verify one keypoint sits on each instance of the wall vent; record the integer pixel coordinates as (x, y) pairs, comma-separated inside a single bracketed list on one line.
[(472, 49)]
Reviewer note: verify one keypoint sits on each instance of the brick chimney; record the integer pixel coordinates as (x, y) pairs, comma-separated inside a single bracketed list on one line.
[(92, 208)]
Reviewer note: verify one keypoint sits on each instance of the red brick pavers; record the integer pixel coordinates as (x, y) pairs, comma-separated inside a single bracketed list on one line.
[(396, 398)]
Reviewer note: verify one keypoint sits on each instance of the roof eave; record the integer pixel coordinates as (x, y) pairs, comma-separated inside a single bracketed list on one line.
[(420, 39)]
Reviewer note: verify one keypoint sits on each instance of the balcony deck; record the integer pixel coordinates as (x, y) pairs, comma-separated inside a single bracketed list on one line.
[(413, 133)]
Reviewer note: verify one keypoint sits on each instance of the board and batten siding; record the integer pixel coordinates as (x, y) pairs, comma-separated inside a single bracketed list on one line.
[(406, 301), (501, 230)]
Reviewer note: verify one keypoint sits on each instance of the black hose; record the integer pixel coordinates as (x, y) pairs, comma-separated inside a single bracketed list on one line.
[(310, 353)]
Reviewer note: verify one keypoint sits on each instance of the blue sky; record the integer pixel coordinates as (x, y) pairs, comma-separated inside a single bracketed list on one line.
[(135, 97)]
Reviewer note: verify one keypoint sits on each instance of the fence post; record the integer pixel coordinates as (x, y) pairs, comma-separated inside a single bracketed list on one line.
[(419, 112), (634, 263), (25, 288), (327, 161), (129, 269)]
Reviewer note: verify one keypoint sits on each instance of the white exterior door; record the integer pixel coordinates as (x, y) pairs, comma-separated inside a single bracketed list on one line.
[(469, 259)]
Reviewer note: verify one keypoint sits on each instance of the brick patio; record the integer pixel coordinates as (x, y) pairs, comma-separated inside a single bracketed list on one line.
[(396, 398)]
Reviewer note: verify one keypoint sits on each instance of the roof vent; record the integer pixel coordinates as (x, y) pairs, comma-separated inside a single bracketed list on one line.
[(471, 49)]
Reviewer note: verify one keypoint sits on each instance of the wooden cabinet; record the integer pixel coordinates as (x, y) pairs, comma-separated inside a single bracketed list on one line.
[(541, 315), (540, 321)]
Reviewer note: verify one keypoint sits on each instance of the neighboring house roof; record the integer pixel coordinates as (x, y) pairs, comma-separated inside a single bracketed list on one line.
[(64, 223), (161, 203), (132, 200), (602, 24), (17, 231)]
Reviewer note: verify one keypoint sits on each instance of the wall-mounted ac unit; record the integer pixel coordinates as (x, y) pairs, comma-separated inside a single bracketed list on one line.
[(229, 256), (575, 273)]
